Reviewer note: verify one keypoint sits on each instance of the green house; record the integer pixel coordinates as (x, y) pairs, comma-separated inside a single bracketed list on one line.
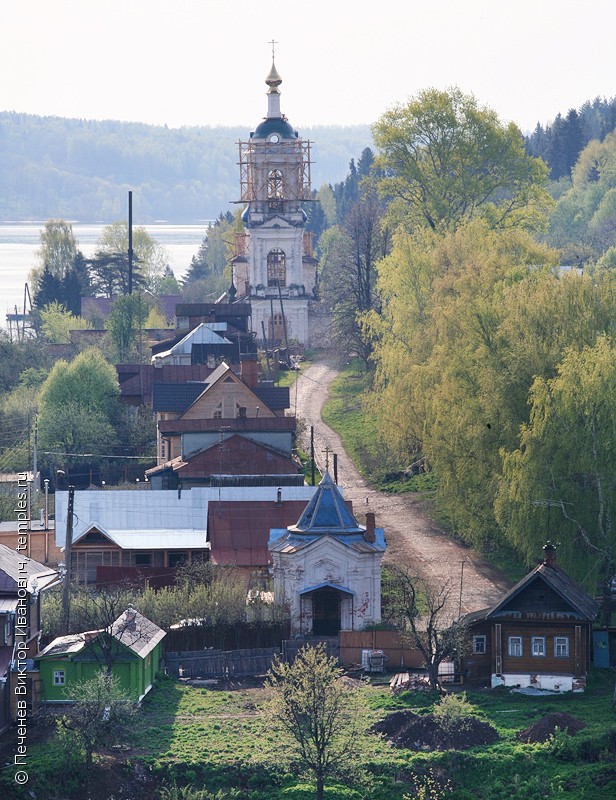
[(131, 646)]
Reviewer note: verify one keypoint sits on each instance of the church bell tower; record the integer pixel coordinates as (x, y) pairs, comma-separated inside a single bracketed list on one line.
[(274, 268)]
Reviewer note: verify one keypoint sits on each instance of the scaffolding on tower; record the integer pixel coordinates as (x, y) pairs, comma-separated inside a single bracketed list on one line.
[(258, 157)]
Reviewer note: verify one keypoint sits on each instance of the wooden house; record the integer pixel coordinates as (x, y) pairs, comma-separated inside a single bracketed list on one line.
[(132, 646), (21, 582), (538, 635)]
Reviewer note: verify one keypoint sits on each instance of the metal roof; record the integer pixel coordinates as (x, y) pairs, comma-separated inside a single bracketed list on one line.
[(327, 512), (131, 628), (137, 632), (15, 566), (239, 532), (157, 509), (274, 397), (168, 539), (176, 397)]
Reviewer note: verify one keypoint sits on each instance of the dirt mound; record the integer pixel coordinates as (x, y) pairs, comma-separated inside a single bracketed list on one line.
[(425, 732), (545, 727)]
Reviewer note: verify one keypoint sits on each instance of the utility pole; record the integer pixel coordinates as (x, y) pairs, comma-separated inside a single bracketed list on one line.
[(68, 547), (312, 452), (461, 583), (130, 242)]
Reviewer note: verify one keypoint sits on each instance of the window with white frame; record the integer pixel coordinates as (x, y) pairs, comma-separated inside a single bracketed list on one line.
[(537, 646), (561, 646), (59, 677), (515, 646), (479, 645)]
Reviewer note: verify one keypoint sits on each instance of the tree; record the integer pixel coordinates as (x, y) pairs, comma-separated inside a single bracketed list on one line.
[(58, 251), (206, 274), (349, 257), (57, 323), (317, 710), (79, 406), (112, 254), (426, 614), (109, 274), (562, 473), (99, 713), (448, 160), (126, 323)]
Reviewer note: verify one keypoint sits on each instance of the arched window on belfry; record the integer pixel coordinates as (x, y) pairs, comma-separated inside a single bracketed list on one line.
[(274, 185), (276, 268)]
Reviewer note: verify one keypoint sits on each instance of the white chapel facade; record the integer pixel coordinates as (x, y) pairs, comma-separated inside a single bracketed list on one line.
[(274, 268)]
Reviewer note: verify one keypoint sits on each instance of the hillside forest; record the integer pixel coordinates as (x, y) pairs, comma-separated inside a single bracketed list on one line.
[(470, 272)]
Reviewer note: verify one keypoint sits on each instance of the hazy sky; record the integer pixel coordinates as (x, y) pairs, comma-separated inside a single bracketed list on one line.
[(203, 62)]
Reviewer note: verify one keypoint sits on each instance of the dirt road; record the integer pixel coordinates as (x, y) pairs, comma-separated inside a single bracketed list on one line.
[(412, 538)]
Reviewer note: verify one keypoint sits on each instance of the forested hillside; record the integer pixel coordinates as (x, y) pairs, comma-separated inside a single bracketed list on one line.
[(79, 169), (560, 142)]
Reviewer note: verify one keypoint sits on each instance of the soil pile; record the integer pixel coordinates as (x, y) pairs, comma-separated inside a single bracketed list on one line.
[(545, 727), (425, 732)]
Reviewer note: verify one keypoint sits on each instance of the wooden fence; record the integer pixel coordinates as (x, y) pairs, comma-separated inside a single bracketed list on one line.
[(398, 651), (220, 663), (291, 647)]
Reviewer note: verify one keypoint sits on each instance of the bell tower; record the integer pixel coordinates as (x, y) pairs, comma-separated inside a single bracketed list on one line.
[(274, 267)]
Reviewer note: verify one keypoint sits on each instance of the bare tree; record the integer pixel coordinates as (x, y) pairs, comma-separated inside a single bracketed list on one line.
[(424, 612)]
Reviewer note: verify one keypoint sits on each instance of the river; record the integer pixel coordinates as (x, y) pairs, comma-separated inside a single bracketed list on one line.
[(20, 241)]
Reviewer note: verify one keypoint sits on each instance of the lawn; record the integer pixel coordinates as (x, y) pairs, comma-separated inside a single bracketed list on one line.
[(220, 738), (223, 738)]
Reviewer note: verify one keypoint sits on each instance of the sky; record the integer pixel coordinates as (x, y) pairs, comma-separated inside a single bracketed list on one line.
[(204, 62)]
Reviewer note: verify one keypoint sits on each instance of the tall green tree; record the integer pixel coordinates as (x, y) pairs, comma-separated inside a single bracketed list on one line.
[(561, 477), (79, 408), (126, 324), (58, 249), (448, 160)]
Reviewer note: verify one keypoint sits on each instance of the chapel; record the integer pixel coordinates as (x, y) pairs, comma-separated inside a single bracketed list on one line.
[(327, 568)]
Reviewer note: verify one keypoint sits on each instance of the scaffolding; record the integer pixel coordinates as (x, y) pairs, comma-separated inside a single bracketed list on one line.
[(259, 158)]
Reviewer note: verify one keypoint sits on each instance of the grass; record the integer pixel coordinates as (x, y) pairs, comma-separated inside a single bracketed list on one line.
[(221, 736), (220, 739)]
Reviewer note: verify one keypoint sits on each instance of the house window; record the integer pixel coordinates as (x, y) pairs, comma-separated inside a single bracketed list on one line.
[(218, 411), (479, 645), (143, 559), (537, 646), (515, 646), (561, 646), (59, 677)]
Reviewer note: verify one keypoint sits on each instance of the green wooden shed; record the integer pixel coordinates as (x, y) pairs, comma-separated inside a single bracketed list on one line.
[(131, 647)]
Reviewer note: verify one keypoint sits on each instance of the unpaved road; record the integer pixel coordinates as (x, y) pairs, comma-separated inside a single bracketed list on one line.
[(413, 540)]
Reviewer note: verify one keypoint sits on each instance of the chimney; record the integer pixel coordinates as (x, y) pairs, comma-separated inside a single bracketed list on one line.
[(369, 532), (549, 551), (249, 369), (279, 496)]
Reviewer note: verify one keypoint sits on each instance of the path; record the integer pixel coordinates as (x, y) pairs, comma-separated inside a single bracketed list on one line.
[(412, 538)]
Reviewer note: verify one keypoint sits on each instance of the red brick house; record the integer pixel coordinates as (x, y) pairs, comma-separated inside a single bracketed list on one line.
[(538, 635)]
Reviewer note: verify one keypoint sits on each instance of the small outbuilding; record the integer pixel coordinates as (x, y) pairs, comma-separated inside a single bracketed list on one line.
[(538, 635), (131, 647)]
